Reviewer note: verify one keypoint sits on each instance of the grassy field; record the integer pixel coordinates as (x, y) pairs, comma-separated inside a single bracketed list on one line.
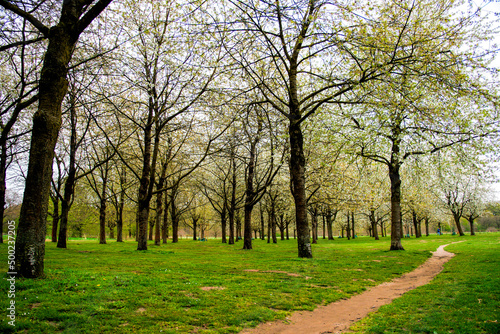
[(464, 298), (210, 287)]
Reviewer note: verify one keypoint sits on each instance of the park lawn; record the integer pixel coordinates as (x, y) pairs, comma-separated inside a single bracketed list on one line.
[(464, 298), (209, 287)]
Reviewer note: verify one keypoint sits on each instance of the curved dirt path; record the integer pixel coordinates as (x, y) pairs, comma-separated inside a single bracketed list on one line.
[(337, 317)]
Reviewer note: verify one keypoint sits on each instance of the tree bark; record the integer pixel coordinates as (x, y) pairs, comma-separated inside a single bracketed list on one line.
[(55, 217), (353, 231), (348, 226), (195, 227), (238, 225), (151, 228), (102, 207), (415, 224), (144, 195), (164, 228), (269, 227), (330, 217), (262, 227), (287, 230), (250, 194), (314, 223), (174, 216), (111, 232), (456, 218), (297, 177), (223, 222), (232, 206), (247, 237), (121, 205), (373, 221), (471, 223), (396, 230), (282, 226), (324, 226)]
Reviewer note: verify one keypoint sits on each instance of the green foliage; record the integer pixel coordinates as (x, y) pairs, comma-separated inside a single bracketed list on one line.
[(494, 208), (210, 287)]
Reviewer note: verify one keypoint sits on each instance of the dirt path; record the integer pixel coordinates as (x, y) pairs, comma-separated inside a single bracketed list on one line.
[(337, 317)]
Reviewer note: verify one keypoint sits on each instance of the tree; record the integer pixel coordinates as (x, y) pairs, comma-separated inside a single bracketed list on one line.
[(258, 175), (168, 73), (300, 47), (418, 108), (75, 17), (215, 187), (118, 200), (99, 184)]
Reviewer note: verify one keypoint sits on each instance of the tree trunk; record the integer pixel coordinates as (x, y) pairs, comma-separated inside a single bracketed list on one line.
[(353, 231), (329, 226), (102, 205), (273, 222), (282, 226), (231, 226), (151, 228), (69, 184), (55, 217), (262, 227), (471, 223), (164, 228), (396, 230), (232, 207), (457, 217), (329, 222), (314, 223), (144, 196), (269, 228), (250, 194), (238, 225), (175, 219), (348, 226), (426, 226), (102, 209), (373, 221), (297, 177), (223, 223), (159, 197), (142, 223), (247, 240), (195, 226), (324, 226), (121, 205), (30, 241), (111, 232), (415, 223)]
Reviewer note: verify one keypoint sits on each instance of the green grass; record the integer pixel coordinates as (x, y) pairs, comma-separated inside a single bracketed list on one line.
[(464, 298), (92, 288)]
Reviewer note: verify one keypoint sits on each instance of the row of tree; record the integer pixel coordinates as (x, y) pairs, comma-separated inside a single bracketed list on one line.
[(156, 103)]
